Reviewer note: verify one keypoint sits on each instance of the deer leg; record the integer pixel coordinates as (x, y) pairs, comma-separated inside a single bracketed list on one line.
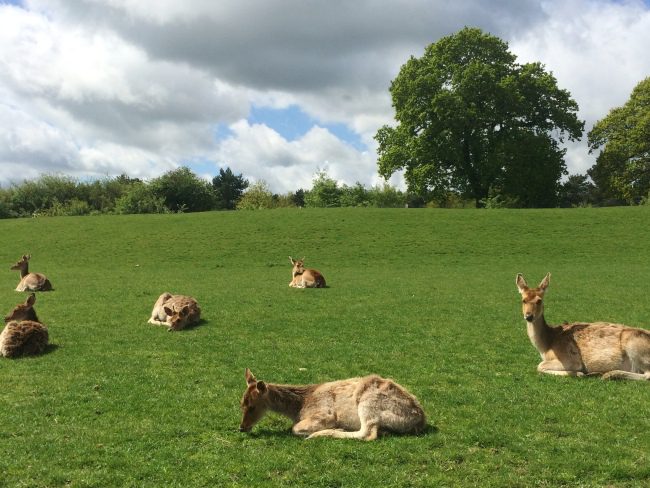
[(556, 368), (369, 418), (308, 426)]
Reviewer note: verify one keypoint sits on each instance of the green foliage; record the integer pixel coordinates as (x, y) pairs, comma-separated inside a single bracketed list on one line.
[(325, 192), (140, 199), (257, 197), (577, 191), (426, 297), (183, 191), (622, 169), (228, 188), (386, 196), (469, 119)]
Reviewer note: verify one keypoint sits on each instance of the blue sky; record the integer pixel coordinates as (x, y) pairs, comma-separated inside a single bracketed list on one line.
[(275, 89)]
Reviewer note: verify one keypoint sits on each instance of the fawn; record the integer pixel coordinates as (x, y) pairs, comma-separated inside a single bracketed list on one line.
[(30, 281), (302, 277), (175, 311), (23, 334)]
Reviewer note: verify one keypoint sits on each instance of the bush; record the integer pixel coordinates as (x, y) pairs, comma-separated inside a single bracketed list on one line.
[(258, 196), (183, 191), (140, 199)]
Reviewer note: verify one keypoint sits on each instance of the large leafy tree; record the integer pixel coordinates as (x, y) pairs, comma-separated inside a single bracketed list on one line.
[(470, 120), (622, 169), (228, 188), (183, 191)]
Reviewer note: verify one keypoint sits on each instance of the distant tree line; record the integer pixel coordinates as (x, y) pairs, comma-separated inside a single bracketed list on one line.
[(181, 190)]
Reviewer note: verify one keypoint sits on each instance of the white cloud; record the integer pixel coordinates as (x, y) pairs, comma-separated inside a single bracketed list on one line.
[(263, 154)]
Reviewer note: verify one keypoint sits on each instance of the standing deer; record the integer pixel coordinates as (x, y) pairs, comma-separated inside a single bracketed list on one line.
[(356, 408), (302, 277), (30, 281), (616, 351), (23, 334), (175, 311)]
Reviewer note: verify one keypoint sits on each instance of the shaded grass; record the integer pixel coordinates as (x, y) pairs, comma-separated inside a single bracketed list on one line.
[(426, 297)]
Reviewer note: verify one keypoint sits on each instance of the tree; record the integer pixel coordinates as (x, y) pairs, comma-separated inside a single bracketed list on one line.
[(464, 112), (183, 191), (325, 192), (577, 190), (228, 188), (257, 197), (622, 168)]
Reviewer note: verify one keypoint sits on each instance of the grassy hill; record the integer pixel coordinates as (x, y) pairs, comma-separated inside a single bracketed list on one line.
[(426, 297)]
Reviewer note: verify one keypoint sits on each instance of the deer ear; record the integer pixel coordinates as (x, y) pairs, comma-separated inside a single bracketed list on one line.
[(31, 299), (522, 286), (185, 310), (250, 379), (168, 311), (293, 261), (261, 386), (545, 282)]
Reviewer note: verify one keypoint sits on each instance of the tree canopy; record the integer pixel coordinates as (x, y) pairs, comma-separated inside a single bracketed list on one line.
[(228, 188), (470, 120), (622, 169)]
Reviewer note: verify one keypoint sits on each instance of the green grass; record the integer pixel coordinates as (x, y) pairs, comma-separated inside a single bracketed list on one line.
[(426, 297)]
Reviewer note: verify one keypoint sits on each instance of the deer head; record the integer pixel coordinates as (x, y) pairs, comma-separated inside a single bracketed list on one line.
[(532, 298), (253, 403), (22, 263), (176, 319), (23, 311), (298, 265)]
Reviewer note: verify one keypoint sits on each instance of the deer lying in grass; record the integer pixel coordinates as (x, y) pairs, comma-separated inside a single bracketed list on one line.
[(175, 311), (302, 277), (30, 281), (613, 350), (356, 408), (23, 334)]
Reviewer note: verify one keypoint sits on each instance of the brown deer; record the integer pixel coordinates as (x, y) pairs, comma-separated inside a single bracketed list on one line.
[(302, 277), (614, 351), (175, 311), (356, 408), (24, 334), (30, 281)]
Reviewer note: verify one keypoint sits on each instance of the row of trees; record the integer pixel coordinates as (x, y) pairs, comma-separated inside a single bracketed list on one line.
[(181, 190), (473, 122)]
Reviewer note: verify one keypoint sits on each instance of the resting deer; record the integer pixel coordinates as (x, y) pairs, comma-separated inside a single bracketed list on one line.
[(613, 350), (175, 311), (302, 277), (356, 408), (23, 334), (30, 281)]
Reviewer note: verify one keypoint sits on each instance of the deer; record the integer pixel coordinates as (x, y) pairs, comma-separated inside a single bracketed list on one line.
[(23, 334), (355, 408), (30, 281), (302, 277), (175, 311), (612, 351)]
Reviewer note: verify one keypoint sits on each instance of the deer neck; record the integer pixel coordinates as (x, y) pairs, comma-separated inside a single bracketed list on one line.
[(287, 400), (540, 334), (24, 271)]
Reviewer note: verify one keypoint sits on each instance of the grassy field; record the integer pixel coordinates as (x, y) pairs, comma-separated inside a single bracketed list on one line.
[(426, 297)]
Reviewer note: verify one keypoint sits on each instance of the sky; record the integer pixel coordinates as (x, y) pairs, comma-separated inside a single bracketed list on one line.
[(277, 90)]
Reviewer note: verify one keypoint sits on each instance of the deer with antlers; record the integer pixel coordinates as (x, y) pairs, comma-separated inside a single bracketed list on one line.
[(356, 408), (30, 281), (23, 334), (614, 351), (302, 277)]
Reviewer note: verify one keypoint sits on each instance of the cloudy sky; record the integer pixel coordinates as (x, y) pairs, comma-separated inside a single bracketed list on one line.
[(273, 89)]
